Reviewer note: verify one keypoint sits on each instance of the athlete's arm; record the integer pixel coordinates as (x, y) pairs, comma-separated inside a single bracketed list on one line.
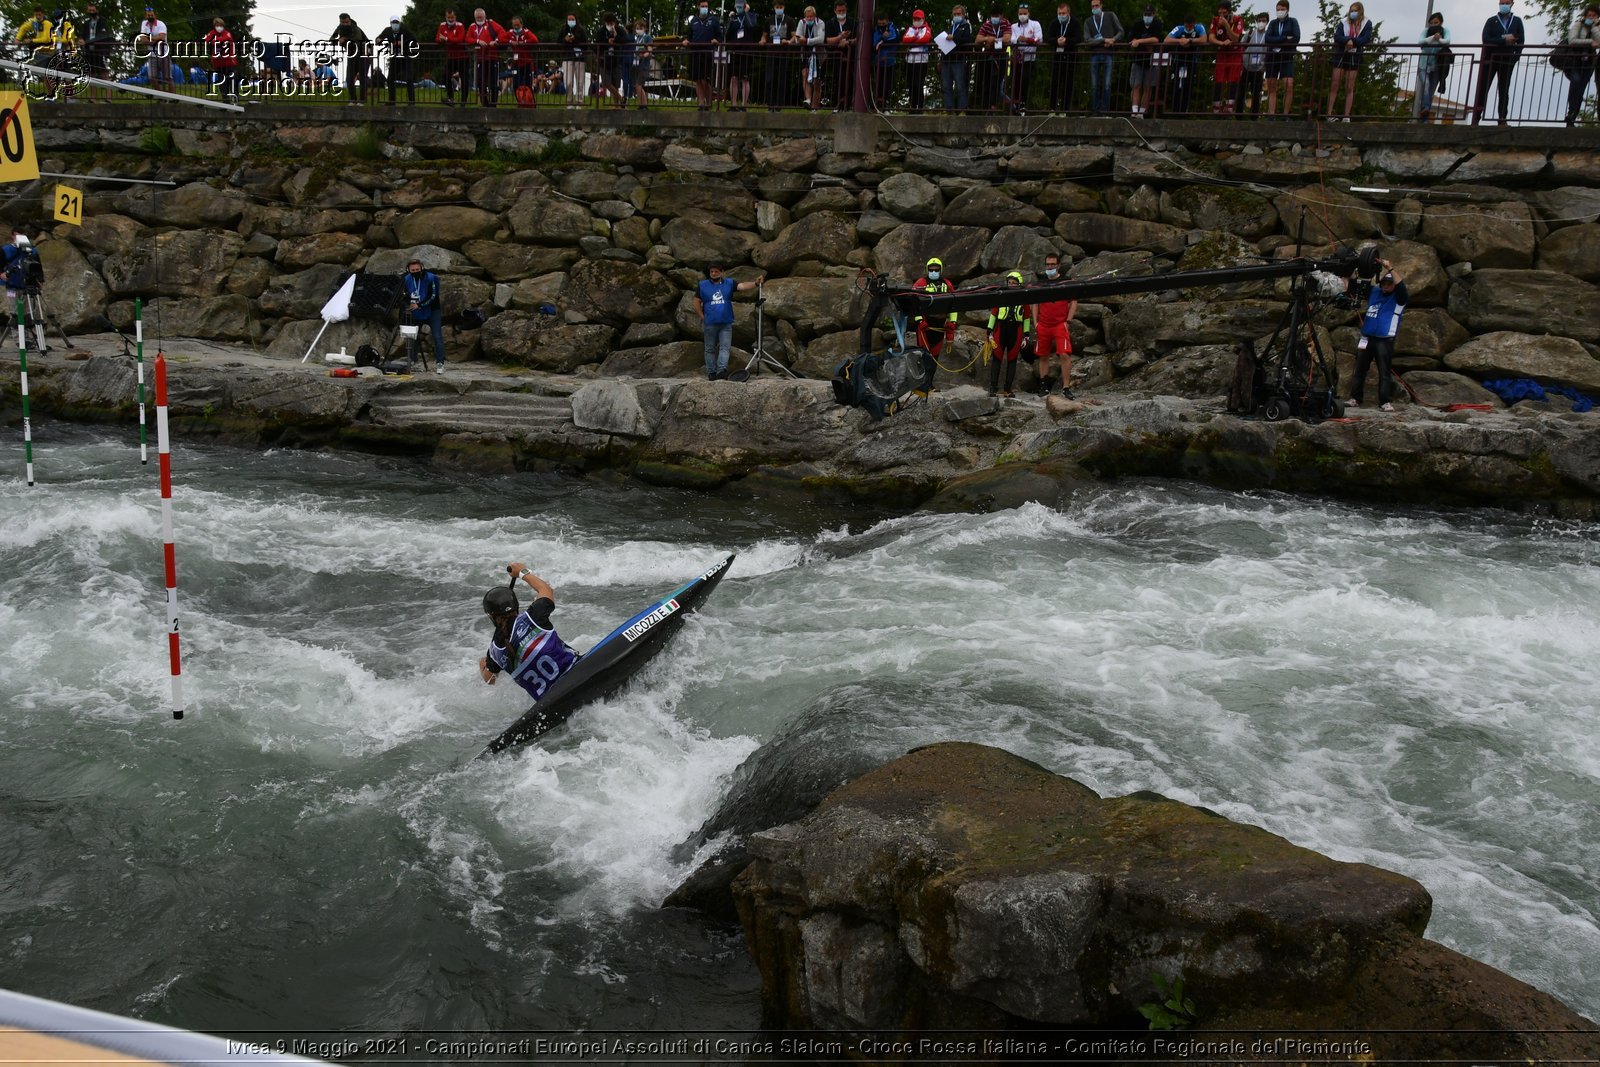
[(538, 584)]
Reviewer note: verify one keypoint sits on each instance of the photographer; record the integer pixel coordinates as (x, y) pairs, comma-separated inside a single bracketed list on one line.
[(713, 302), (422, 306), (1386, 303)]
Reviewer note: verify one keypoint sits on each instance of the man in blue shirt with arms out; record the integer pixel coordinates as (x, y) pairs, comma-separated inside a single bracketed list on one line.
[(1379, 323), (714, 303), (525, 644)]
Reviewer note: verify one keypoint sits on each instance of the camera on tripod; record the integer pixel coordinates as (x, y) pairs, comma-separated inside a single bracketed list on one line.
[(26, 270)]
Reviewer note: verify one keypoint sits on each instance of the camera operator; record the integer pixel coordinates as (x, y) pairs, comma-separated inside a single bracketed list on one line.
[(1386, 303)]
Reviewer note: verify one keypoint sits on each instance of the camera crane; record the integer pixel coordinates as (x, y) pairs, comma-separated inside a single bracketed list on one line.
[(1293, 351)]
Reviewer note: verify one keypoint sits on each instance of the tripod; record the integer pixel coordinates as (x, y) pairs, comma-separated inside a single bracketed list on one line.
[(33, 306), (759, 356)]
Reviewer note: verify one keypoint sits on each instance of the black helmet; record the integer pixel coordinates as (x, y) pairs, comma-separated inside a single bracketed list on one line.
[(499, 600)]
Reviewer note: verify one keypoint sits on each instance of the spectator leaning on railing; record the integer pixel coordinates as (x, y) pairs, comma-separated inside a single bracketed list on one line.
[(812, 36), (778, 37), (1585, 31), (704, 32), (885, 49), (573, 74), (453, 35), (1350, 39), (1502, 47), (152, 42), (1026, 36), (484, 38), (953, 69), (917, 41), (744, 30), (1253, 75), (1432, 65), (351, 39), (224, 59), (1145, 40), (993, 35), (1064, 35), (1227, 34), (98, 42), (840, 34), (1283, 38), (402, 47), (1101, 32)]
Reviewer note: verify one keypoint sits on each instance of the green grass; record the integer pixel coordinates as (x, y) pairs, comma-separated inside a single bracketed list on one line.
[(157, 141), (368, 143)]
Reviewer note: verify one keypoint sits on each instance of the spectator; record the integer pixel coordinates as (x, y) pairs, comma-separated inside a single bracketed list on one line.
[(1350, 39), (1055, 333), (1430, 67), (453, 35), (1227, 34), (643, 56), (484, 38), (38, 33), (812, 35), (402, 47), (1379, 323), (840, 35), (1142, 73), (713, 302), (352, 41), (1502, 47), (778, 37), (1253, 74), (917, 41), (1026, 35), (1185, 40), (933, 281), (1101, 32), (573, 76), (517, 78), (423, 307), (323, 78), (1283, 38), (152, 41), (98, 41), (989, 79), (953, 67), (1065, 33), (885, 42), (224, 59), (1585, 30), (610, 39), (705, 30), (303, 75), (1009, 327), (744, 30)]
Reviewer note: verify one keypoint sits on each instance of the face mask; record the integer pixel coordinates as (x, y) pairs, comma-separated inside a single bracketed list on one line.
[(392, 26), (1588, 22), (218, 27), (1283, 12), (1352, 16), (611, 27), (916, 22), (571, 23), (957, 19), (994, 20), (1505, 9), (777, 12), (1261, 24), (705, 11), (933, 274), (1148, 19), (1051, 272)]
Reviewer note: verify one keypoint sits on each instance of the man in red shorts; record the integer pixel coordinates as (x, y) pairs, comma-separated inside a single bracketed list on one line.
[(1055, 338)]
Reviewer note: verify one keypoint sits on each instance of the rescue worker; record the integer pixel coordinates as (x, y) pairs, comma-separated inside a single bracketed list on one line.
[(934, 281), (1010, 329), (1055, 334)]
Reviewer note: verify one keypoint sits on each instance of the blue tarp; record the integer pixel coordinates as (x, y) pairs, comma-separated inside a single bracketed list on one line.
[(1513, 389)]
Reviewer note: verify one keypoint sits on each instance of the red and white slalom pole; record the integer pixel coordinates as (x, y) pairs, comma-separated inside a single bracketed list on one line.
[(164, 457)]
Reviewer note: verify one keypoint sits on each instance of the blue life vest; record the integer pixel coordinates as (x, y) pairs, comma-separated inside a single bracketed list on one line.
[(1382, 318), (533, 655)]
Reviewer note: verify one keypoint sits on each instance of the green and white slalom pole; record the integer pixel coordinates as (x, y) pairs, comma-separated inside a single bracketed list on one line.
[(138, 349), (22, 357)]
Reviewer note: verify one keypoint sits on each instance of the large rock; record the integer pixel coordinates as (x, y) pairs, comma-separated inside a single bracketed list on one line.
[(1442, 389), (1429, 332), (507, 262), (211, 318), (1209, 207), (106, 233), (439, 260), (1525, 300), (1282, 165), (277, 222), (1494, 235), (1016, 248), (762, 422), (828, 198), (1568, 205), (1413, 164), (498, 192), (1329, 214), (1503, 166), (511, 337), (317, 187), (620, 408), (622, 148), (678, 156), (1097, 232), (1520, 355), (451, 226), (1141, 166), (617, 292), (195, 204), (814, 305), (697, 240), (910, 197), (825, 237), (174, 263), (723, 202), (1573, 250), (425, 189), (1194, 371), (1144, 323), (298, 253), (301, 295), (540, 218), (73, 291), (679, 359), (906, 249), (1057, 197), (962, 886), (1059, 162), (790, 154), (956, 162), (985, 205)]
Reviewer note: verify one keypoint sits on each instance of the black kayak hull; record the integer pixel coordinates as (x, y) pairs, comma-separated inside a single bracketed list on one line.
[(609, 665)]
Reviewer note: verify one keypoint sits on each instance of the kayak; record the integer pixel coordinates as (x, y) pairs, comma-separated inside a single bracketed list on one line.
[(607, 666)]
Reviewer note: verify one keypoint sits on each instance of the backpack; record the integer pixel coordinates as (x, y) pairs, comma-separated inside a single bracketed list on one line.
[(524, 96)]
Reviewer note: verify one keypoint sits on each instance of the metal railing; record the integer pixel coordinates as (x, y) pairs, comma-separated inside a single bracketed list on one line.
[(1391, 83)]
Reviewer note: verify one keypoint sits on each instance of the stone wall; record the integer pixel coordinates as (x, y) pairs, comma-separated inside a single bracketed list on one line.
[(1498, 246)]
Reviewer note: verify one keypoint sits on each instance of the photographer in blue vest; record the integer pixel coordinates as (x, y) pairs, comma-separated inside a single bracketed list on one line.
[(713, 301), (1386, 302)]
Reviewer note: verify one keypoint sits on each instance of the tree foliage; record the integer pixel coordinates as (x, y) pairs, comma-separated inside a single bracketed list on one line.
[(184, 20)]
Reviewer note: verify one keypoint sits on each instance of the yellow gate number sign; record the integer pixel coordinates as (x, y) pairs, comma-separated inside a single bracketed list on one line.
[(69, 205), (18, 161)]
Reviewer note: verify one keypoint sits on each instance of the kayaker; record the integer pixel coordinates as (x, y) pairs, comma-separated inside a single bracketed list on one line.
[(525, 643)]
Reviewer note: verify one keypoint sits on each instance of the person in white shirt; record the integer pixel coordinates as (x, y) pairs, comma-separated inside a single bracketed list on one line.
[(153, 41), (1026, 34)]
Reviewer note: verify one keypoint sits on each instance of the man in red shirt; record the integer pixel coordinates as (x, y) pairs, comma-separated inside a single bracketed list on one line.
[(485, 36), (453, 35), (224, 61), (519, 75), (1055, 337)]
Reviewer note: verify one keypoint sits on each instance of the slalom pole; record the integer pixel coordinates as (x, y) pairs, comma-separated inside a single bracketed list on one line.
[(22, 357), (164, 458), (138, 348)]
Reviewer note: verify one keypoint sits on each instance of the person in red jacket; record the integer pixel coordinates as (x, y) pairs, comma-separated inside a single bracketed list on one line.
[(224, 60), (517, 78), (1009, 326), (453, 35), (484, 37), (1055, 337)]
